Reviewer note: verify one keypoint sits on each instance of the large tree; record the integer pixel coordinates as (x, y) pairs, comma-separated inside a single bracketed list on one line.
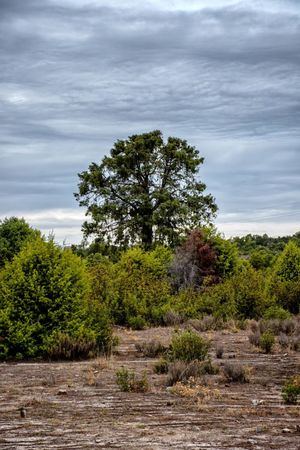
[(146, 191)]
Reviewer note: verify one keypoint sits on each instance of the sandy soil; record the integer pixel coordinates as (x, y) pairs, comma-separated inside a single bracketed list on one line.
[(79, 406)]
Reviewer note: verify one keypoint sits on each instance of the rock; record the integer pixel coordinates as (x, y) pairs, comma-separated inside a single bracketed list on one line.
[(62, 392), (286, 430)]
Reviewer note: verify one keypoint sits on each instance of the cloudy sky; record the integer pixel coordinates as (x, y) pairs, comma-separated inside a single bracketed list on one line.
[(78, 74)]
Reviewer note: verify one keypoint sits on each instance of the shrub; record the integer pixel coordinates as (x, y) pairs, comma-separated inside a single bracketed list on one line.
[(276, 312), (161, 366), (236, 373), (188, 346), (182, 371), (283, 340), (14, 233), (44, 293), (129, 382), (171, 318), (267, 341), (291, 390), (205, 324), (137, 323), (151, 349), (62, 346), (254, 338)]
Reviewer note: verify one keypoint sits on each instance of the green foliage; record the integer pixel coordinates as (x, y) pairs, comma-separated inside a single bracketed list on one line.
[(291, 390), (285, 283), (129, 382), (287, 266), (251, 297), (261, 258), (188, 346), (276, 312), (267, 341), (146, 191), (227, 256), (14, 233), (43, 295), (143, 286)]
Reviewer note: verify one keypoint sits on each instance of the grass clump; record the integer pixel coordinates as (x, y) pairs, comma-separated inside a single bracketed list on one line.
[(161, 366), (151, 349), (291, 390), (236, 373), (128, 381), (188, 346)]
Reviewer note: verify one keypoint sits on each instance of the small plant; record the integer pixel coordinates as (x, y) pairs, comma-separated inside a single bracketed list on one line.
[(295, 343), (151, 349), (283, 340), (219, 351), (137, 323), (254, 338), (161, 366), (291, 390), (236, 373), (188, 346), (129, 382), (183, 371), (172, 318), (267, 341)]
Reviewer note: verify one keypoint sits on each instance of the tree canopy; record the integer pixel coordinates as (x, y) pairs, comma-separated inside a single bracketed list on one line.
[(14, 232), (146, 191)]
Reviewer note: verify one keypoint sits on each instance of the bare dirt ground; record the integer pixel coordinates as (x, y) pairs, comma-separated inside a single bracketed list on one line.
[(79, 406)]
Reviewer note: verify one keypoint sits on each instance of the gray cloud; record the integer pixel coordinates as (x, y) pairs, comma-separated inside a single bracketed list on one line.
[(76, 76)]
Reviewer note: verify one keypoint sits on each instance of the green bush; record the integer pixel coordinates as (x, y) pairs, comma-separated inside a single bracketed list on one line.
[(137, 323), (267, 341), (44, 293), (129, 382), (14, 233), (276, 312), (291, 390), (188, 346)]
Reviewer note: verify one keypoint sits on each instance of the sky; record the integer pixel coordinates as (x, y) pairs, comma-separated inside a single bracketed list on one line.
[(76, 75)]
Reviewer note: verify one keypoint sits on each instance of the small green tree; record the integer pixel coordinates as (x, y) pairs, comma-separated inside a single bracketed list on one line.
[(287, 266), (285, 283), (44, 295), (146, 191), (14, 233)]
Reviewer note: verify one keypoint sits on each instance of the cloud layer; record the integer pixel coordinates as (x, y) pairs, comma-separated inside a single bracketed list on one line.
[(76, 75)]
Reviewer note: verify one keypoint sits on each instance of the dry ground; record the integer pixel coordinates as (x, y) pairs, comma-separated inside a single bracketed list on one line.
[(79, 406)]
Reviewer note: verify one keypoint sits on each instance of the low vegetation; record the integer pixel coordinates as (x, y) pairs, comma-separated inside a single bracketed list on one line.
[(128, 381)]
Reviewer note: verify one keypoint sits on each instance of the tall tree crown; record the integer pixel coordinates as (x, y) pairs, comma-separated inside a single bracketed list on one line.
[(146, 191)]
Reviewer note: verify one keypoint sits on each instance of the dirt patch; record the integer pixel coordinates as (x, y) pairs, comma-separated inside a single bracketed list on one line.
[(78, 405)]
